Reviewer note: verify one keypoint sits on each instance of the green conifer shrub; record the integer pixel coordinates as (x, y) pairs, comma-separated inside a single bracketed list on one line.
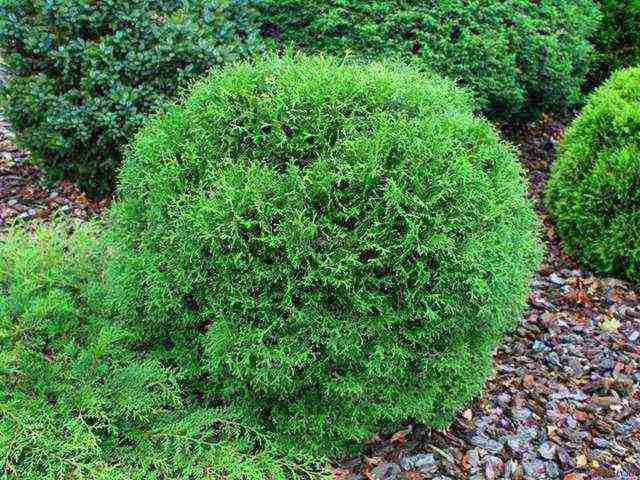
[(594, 189), (618, 39), (81, 398), (81, 75), (346, 243), (521, 57)]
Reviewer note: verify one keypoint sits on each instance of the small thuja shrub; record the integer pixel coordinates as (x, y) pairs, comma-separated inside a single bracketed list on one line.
[(594, 189), (346, 242), (82, 74), (80, 397), (618, 39), (521, 57)]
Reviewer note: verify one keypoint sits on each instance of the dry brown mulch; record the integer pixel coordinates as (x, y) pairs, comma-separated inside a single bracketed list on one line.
[(25, 194)]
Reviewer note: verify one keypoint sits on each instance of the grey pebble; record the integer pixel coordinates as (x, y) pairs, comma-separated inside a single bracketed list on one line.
[(552, 470), (426, 462), (539, 346), (521, 413), (600, 442), (533, 468), (493, 468), (386, 471), (556, 279), (547, 450)]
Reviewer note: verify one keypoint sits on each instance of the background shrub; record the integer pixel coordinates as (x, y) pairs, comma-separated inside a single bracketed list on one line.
[(82, 74), (346, 242), (594, 189), (618, 39), (520, 56)]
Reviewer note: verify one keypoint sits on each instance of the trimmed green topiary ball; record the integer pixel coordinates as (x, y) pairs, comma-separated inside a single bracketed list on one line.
[(346, 243), (594, 190)]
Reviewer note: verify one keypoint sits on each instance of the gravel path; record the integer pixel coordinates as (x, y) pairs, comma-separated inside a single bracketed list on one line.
[(564, 401)]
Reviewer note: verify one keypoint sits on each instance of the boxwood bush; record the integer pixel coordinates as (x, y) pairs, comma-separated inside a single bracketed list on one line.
[(83, 74), (594, 189), (345, 242), (618, 39), (520, 56)]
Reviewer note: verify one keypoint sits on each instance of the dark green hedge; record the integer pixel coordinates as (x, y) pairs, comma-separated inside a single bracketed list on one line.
[(521, 57), (594, 190), (83, 74), (618, 39), (344, 244)]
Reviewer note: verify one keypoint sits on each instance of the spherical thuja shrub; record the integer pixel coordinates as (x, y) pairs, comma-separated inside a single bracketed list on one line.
[(345, 242), (594, 189), (521, 57)]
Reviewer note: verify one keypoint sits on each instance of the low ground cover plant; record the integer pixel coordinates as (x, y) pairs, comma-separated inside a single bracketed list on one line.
[(82, 75), (594, 190), (521, 57), (81, 398)]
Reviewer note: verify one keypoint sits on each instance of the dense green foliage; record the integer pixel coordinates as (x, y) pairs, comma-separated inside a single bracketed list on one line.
[(618, 39), (594, 190), (82, 74), (80, 398), (340, 245), (520, 56)]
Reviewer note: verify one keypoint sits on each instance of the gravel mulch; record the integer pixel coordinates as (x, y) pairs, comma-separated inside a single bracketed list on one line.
[(564, 401), (25, 194)]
